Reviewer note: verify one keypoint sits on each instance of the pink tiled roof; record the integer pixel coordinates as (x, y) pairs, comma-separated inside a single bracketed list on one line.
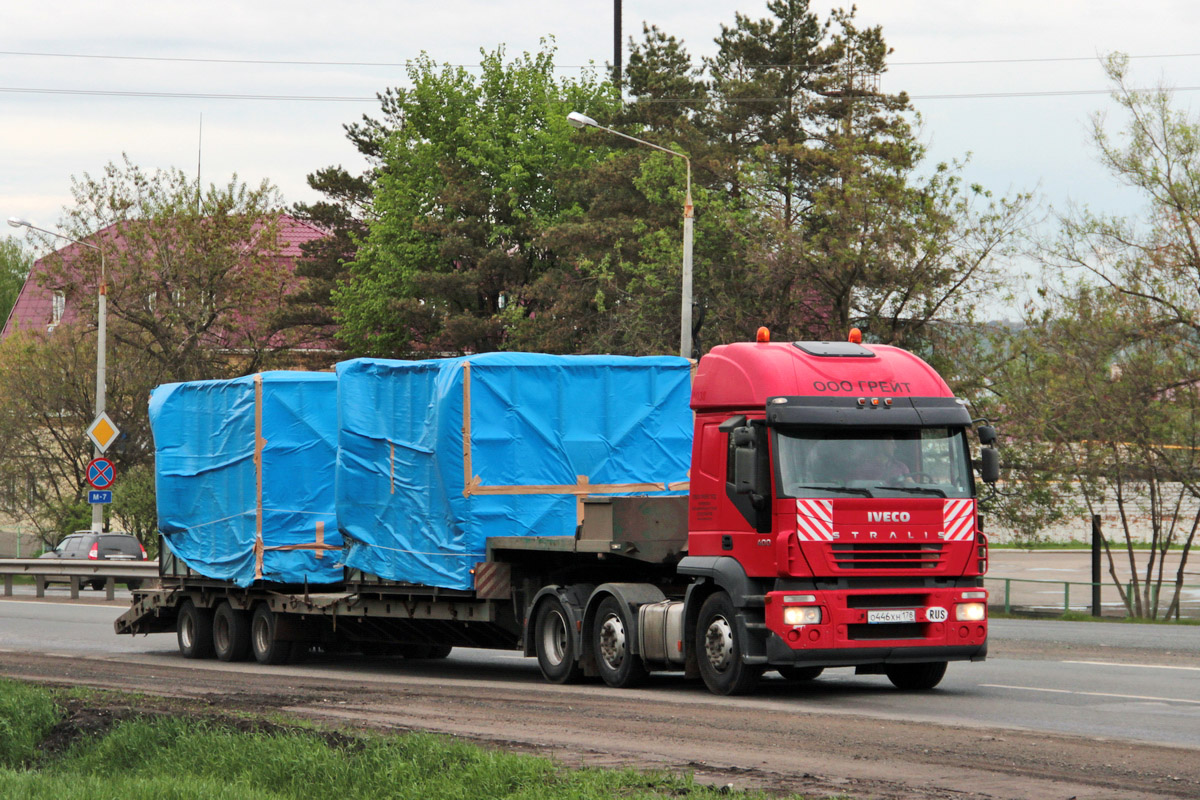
[(34, 308)]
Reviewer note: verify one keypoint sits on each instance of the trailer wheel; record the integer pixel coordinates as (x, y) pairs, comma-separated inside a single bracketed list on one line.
[(264, 641), (719, 649), (194, 630), (615, 661), (554, 642), (231, 633), (425, 651), (800, 674), (916, 677)]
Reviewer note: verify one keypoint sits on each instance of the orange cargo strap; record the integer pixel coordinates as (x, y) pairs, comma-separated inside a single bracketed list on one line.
[(318, 545), (259, 444)]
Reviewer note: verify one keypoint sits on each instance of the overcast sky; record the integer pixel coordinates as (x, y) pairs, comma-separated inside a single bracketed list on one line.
[(57, 118)]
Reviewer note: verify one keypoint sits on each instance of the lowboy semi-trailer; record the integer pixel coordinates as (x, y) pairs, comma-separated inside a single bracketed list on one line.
[(816, 507)]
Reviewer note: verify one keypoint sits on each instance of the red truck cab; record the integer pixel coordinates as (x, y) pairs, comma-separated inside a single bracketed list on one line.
[(833, 502)]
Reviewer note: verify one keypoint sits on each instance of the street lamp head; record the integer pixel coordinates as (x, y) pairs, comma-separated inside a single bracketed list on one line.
[(17, 222), (581, 120)]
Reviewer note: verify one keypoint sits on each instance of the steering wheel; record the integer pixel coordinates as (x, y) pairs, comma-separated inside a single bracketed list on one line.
[(912, 477)]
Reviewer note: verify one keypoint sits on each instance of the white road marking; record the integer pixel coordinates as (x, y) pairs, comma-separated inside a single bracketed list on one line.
[(1139, 666), (1091, 694)]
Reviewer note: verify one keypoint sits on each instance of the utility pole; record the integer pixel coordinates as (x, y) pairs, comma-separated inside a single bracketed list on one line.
[(617, 43)]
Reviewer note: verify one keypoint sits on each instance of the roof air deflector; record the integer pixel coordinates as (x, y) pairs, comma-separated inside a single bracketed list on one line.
[(835, 349)]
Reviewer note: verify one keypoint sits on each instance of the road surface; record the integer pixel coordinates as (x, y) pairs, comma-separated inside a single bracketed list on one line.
[(1060, 710)]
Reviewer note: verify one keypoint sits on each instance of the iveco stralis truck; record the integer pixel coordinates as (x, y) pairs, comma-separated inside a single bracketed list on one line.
[(829, 519)]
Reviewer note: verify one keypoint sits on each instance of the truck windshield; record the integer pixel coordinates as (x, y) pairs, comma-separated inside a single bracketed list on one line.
[(865, 462)]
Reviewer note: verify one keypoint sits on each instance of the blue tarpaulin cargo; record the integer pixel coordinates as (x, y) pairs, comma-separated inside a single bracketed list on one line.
[(437, 456), (244, 472)]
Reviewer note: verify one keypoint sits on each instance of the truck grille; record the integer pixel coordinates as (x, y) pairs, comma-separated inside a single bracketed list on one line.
[(896, 630), (891, 555)]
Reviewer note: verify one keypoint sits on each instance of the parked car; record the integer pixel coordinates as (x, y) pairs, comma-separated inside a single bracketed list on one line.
[(100, 547)]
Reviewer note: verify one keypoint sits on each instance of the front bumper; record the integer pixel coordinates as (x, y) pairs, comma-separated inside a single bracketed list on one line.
[(849, 634)]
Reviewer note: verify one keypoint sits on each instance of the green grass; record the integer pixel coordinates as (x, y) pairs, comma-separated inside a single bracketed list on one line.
[(198, 759), (26, 715)]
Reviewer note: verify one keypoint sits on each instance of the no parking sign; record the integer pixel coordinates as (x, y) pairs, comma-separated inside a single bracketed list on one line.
[(101, 473)]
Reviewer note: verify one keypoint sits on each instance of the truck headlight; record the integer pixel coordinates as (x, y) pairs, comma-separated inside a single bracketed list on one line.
[(970, 612), (802, 615)]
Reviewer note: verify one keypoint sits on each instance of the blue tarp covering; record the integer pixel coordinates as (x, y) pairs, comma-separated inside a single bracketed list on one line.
[(207, 480), (535, 421)]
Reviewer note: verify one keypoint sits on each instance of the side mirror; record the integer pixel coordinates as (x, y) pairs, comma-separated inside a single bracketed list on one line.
[(745, 460), (987, 434), (989, 469), (744, 470)]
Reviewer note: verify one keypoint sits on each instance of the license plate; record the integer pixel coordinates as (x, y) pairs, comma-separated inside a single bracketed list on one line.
[(892, 615)]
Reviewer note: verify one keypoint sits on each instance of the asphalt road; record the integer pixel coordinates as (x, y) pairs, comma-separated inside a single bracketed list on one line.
[(1118, 681)]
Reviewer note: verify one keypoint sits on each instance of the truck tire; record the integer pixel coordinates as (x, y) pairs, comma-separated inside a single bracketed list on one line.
[(194, 630), (800, 674), (719, 649), (439, 651), (231, 633), (425, 651), (612, 645), (554, 642), (916, 677), (264, 641)]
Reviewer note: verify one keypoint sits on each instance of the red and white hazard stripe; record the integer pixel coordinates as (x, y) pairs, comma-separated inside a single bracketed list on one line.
[(958, 519), (814, 520)]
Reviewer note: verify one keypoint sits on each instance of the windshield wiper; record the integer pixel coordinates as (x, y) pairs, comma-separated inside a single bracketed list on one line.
[(916, 490), (831, 488)]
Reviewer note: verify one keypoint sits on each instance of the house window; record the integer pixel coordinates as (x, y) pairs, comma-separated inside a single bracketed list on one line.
[(58, 306)]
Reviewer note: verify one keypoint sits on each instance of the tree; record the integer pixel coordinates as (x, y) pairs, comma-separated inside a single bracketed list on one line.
[(1105, 382), (1094, 394), (193, 280), (489, 224), (15, 262), (196, 274), (853, 229), (463, 188)]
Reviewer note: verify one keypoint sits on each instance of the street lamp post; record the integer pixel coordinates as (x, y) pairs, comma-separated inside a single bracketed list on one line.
[(101, 339), (685, 319)]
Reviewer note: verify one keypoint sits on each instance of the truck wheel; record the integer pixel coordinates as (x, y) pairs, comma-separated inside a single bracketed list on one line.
[(423, 651), (800, 674), (268, 649), (231, 633), (916, 677), (611, 643), (719, 651), (194, 630), (439, 651), (554, 642)]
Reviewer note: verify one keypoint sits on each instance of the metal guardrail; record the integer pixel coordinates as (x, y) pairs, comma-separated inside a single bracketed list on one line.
[(75, 571), (1056, 596)]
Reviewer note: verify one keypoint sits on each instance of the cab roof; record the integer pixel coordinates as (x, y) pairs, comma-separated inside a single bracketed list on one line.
[(744, 375)]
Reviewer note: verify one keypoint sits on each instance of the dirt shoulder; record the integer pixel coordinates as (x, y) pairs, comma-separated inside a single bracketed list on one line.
[(788, 750)]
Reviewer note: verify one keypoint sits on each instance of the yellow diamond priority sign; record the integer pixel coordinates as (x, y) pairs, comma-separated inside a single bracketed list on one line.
[(103, 432)]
